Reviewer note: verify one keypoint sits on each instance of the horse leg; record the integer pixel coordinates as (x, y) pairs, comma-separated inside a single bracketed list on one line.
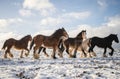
[(35, 55), (53, 54), (40, 49), (112, 50), (21, 55), (8, 51), (91, 49), (93, 54), (104, 54), (84, 53), (5, 55), (74, 55), (44, 50), (11, 55), (26, 54), (70, 52), (60, 53)]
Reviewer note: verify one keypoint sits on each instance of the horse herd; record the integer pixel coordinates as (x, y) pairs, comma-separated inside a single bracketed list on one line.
[(60, 41)]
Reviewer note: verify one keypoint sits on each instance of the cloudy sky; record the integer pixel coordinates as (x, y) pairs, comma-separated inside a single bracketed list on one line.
[(21, 17)]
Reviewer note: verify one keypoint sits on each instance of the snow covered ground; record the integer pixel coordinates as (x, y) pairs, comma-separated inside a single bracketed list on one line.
[(61, 68)]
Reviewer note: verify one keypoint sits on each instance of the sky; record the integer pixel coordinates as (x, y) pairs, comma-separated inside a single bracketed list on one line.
[(21, 17)]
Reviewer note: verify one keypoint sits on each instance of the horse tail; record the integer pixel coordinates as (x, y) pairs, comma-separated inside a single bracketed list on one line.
[(4, 45), (89, 43), (61, 46), (32, 43)]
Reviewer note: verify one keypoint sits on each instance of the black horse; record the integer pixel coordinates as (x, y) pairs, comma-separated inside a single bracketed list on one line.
[(104, 43)]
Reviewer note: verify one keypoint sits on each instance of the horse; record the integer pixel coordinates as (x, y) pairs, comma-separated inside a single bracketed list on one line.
[(73, 43), (84, 46), (51, 42), (105, 43), (21, 44)]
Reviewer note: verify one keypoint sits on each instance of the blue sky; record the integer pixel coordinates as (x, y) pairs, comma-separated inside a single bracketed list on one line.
[(21, 17)]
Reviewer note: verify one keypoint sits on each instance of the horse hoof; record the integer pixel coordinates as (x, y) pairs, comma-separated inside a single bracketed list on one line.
[(111, 54), (36, 56), (21, 56), (60, 55), (54, 57), (26, 54), (47, 55), (73, 56), (104, 56), (5, 56)]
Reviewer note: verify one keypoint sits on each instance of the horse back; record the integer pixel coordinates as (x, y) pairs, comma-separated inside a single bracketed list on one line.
[(70, 41), (100, 42)]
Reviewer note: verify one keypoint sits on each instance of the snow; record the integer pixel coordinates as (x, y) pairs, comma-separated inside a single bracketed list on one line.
[(61, 68)]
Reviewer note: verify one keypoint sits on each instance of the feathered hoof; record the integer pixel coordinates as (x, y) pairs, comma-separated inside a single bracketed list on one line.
[(5, 56), (54, 57), (26, 54), (46, 55), (94, 54), (73, 56), (21, 56), (104, 55), (60, 55), (36, 56), (11, 55), (111, 54)]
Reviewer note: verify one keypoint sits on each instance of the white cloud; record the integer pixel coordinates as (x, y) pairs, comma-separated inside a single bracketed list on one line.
[(78, 15), (64, 18), (50, 21), (114, 21), (5, 36), (25, 12), (44, 6), (112, 26), (7, 22)]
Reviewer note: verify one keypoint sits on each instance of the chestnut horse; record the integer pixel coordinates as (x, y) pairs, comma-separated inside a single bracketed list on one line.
[(48, 42), (73, 43), (21, 44)]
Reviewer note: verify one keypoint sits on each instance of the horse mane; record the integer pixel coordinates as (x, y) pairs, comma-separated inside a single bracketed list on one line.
[(110, 36), (80, 34), (25, 37), (57, 33)]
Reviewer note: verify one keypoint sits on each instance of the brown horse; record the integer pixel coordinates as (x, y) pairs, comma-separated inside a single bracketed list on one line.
[(48, 41), (73, 43), (21, 44)]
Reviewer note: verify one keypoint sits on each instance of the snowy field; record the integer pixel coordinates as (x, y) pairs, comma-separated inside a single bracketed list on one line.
[(61, 68)]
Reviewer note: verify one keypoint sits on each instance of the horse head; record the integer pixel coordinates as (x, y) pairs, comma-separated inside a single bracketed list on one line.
[(60, 34), (65, 34), (82, 35), (28, 37), (114, 37)]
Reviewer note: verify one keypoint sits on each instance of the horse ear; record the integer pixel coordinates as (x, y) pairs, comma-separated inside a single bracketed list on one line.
[(62, 28)]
